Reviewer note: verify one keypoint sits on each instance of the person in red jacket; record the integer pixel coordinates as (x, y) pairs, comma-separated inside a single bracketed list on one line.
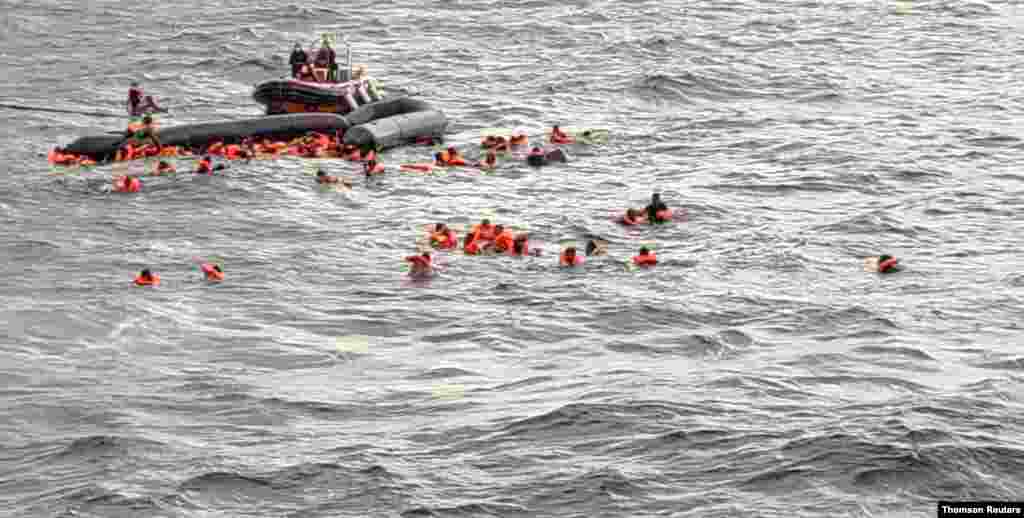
[(645, 258)]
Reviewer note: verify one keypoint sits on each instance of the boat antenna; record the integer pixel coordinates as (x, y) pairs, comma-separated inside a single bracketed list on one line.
[(348, 59)]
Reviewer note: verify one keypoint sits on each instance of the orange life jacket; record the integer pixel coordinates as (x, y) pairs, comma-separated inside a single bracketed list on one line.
[(217, 148), (204, 166), (645, 260), (483, 232), (887, 265), (458, 161), (211, 273), (444, 158), (444, 239), (232, 152), (471, 248), (665, 214), (152, 281), (564, 260), (503, 242)]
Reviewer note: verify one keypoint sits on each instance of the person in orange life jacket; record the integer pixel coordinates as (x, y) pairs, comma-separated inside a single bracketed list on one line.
[(471, 246), (503, 239), (127, 184), (484, 231), (633, 217), (164, 168), (441, 158), (212, 271), (443, 237), (558, 137), (536, 157), (371, 167), (147, 278), (420, 264), (887, 264), (569, 257), (645, 258), (655, 210), (454, 158), (297, 60)]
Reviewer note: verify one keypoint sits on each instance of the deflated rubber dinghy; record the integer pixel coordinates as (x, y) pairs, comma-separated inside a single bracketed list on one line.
[(391, 123), (381, 124)]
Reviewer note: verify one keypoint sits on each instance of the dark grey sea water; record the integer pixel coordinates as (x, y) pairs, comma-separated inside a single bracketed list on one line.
[(758, 371)]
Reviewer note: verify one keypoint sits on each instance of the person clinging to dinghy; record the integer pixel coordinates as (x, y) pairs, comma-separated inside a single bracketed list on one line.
[(559, 137)]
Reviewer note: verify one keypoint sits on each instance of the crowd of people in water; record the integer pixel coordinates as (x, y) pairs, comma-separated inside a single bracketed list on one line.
[(142, 142)]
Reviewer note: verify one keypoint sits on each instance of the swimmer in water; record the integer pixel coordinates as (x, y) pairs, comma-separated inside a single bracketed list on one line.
[(371, 167), (323, 178), (569, 257), (213, 272), (645, 258), (595, 248), (147, 278), (655, 211), (420, 265), (882, 264), (164, 168), (633, 217), (536, 157)]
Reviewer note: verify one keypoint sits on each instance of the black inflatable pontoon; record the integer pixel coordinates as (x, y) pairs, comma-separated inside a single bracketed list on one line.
[(385, 124)]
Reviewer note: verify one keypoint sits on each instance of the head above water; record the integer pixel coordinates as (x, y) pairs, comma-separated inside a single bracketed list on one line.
[(485, 222), (320, 173), (644, 250), (656, 197), (147, 120), (135, 84), (883, 258), (146, 273)]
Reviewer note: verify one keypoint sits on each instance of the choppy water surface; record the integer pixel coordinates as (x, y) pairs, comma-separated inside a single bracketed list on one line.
[(757, 371)]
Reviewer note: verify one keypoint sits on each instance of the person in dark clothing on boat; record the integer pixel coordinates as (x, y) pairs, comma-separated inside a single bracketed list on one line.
[(326, 58), (298, 59)]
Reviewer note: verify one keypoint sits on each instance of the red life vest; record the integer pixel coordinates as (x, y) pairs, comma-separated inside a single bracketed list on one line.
[(645, 260), (564, 260), (151, 281)]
